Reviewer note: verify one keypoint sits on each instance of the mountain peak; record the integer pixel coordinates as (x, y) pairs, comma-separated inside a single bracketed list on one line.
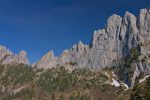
[(7, 57), (110, 43), (23, 53)]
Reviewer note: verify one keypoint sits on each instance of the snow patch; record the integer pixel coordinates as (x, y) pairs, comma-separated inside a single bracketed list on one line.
[(142, 80), (125, 85), (115, 83)]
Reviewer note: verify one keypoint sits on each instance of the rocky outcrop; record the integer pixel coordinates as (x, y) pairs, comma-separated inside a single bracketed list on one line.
[(7, 57), (73, 55), (108, 45), (47, 61)]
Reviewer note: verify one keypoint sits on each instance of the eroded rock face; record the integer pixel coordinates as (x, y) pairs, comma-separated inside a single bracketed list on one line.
[(144, 23), (74, 54), (47, 61), (108, 45), (22, 57), (7, 57)]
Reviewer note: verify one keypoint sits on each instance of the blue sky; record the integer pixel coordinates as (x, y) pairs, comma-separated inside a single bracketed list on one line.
[(38, 26)]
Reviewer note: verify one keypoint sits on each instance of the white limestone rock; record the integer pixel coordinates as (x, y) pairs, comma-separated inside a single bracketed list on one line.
[(7, 57), (109, 44)]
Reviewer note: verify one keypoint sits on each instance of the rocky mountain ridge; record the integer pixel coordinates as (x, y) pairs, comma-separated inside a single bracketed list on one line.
[(108, 45), (7, 57), (121, 37)]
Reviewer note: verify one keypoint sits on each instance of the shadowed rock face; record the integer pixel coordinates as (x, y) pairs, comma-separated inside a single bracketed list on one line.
[(7, 57), (109, 44)]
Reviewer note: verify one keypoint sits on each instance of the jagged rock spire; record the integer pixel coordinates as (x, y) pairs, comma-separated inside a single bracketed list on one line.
[(7, 57), (109, 44), (47, 61)]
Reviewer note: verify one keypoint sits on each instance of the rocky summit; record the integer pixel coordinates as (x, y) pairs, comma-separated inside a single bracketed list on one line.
[(109, 44), (125, 41), (7, 57)]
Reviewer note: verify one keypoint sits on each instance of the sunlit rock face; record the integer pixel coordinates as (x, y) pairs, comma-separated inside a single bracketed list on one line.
[(109, 44), (47, 61), (22, 57), (7, 57)]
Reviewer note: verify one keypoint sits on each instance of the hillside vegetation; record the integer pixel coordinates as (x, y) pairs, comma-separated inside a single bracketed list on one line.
[(22, 82)]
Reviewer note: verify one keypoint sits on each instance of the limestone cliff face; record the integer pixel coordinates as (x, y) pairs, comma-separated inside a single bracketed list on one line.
[(108, 45), (7, 57)]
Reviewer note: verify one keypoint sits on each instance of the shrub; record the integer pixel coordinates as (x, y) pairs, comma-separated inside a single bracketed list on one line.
[(141, 91), (134, 53)]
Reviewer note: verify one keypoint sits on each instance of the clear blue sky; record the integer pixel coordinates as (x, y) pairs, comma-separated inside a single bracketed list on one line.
[(38, 26)]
